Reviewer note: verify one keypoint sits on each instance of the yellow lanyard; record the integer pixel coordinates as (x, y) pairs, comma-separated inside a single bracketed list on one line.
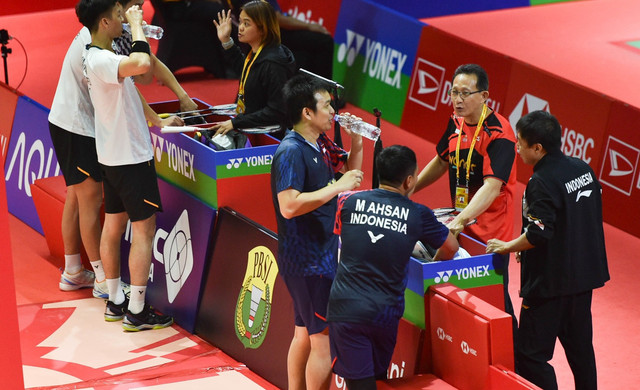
[(243, 78), (473, 142)]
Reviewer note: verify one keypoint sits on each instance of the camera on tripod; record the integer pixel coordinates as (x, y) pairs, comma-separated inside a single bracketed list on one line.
[(4, 39)]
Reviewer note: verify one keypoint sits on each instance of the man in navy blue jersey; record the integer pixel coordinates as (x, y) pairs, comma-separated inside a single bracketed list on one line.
[(379, 229), (304, 191)]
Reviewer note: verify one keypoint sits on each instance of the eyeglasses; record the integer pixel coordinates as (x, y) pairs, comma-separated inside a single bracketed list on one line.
[(463, 95)]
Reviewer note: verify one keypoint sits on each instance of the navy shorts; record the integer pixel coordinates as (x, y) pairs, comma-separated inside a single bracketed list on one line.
[(131, 188), (361, 351), (76, 155), (310, 295)]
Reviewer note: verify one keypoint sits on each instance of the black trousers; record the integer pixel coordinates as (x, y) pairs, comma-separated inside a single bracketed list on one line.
[(567, 318)]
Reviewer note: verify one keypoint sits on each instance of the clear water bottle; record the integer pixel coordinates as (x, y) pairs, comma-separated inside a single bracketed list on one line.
[(150, 31), (358, 126)]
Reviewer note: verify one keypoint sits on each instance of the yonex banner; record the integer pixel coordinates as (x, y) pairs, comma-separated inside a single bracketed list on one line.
[(428, 106), (195, 167), (30, 157), (375, 50), (481, 274), (180, 249)]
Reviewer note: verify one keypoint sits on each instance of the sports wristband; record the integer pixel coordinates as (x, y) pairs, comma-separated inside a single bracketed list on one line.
[(228, 44), (140, 47)]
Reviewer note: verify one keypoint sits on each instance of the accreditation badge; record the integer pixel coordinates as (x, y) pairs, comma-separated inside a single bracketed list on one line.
[(240, 104), (462, 197)]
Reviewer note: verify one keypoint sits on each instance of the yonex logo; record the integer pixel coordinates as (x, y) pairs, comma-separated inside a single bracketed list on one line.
[(234, 163), (374, 239), (251, 161), (347, 51), (527, 104), (619, 165), (179, 160), (443, 276), (381, 62), (426, 84)]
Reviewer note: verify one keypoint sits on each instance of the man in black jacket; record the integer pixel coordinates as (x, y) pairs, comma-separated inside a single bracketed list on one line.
[(562, 255)]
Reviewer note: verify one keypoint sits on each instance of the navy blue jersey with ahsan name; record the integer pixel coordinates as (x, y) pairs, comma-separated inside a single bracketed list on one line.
[(379, 230)]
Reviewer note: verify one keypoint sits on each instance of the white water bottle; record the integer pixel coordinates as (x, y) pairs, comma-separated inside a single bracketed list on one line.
[(150, 31), (358, 126)]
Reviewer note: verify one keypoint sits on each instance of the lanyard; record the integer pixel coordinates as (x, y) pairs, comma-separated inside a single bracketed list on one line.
[(473, 142), (245, 73)]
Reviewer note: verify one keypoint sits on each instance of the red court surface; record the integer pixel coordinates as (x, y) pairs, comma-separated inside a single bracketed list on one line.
[(582, 42)]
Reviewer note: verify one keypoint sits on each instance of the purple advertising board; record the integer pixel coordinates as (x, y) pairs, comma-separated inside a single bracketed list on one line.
[(180, 250), (30, 157)]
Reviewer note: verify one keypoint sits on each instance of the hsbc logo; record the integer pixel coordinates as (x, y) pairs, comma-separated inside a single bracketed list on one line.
[(527, 104), (442, 335), (426, 84), (467, 350), (574, 143), (619, 165)]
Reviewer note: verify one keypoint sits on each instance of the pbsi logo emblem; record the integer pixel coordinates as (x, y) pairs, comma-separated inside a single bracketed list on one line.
[(426, 84), (619, 164), (253, 310)]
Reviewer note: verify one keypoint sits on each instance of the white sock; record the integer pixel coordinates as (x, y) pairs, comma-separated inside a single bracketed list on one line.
[(98, 270), (72, 263), (136, 298), (116, 295)]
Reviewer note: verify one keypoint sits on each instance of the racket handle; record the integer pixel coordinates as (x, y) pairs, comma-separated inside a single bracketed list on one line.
[(179, 129)]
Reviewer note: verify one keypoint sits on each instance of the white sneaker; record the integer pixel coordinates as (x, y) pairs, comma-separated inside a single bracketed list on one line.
[(101, 291), (82, 279)]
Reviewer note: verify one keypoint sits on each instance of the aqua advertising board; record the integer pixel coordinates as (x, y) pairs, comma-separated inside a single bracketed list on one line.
[(30, 157), (375, 50)]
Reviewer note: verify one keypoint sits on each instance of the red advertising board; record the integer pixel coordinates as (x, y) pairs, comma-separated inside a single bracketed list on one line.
[(8, 101), (618, 170), (582, 113), (428, 107), (321, 12), (10, 360)]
